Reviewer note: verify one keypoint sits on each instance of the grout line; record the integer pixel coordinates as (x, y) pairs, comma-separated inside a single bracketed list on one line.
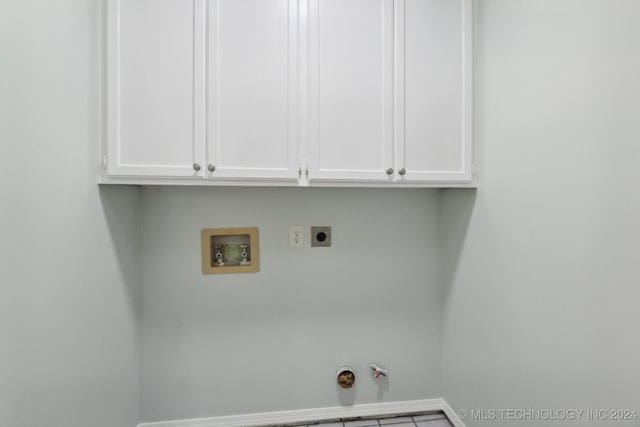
[(378, 423)]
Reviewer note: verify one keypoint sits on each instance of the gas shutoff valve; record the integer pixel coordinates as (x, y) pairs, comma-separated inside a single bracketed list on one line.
[(377, 370)]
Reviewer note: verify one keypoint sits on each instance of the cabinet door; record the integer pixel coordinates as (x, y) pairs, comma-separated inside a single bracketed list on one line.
[(153, 68), (434, 60), (252, 105), (350, 89)]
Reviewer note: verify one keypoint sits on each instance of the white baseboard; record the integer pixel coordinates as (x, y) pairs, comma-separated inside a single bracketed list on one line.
[(452, 415), (318, 414)]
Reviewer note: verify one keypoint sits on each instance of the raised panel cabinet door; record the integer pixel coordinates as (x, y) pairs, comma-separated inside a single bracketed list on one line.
[(350, 89), (154, 70), (434, 60), (252, 84)]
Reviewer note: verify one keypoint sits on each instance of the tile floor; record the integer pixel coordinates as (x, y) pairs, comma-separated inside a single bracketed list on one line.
[(422, 420)]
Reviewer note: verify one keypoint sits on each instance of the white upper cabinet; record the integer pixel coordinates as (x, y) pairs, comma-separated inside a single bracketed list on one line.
[(433, 90), (390, 91), (203, 89), (253, 89), (289, 92), (350, 89), (150, 88)]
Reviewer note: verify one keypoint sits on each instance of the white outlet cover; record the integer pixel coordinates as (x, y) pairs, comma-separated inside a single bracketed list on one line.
[(296, 233)]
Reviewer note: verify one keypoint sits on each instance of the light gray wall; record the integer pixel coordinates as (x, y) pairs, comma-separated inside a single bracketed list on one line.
[(543, 275), (271, 341), (69, 253)]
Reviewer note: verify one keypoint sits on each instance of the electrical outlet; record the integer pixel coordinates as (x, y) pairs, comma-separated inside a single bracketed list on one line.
[(321, 236), (295, 236)]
